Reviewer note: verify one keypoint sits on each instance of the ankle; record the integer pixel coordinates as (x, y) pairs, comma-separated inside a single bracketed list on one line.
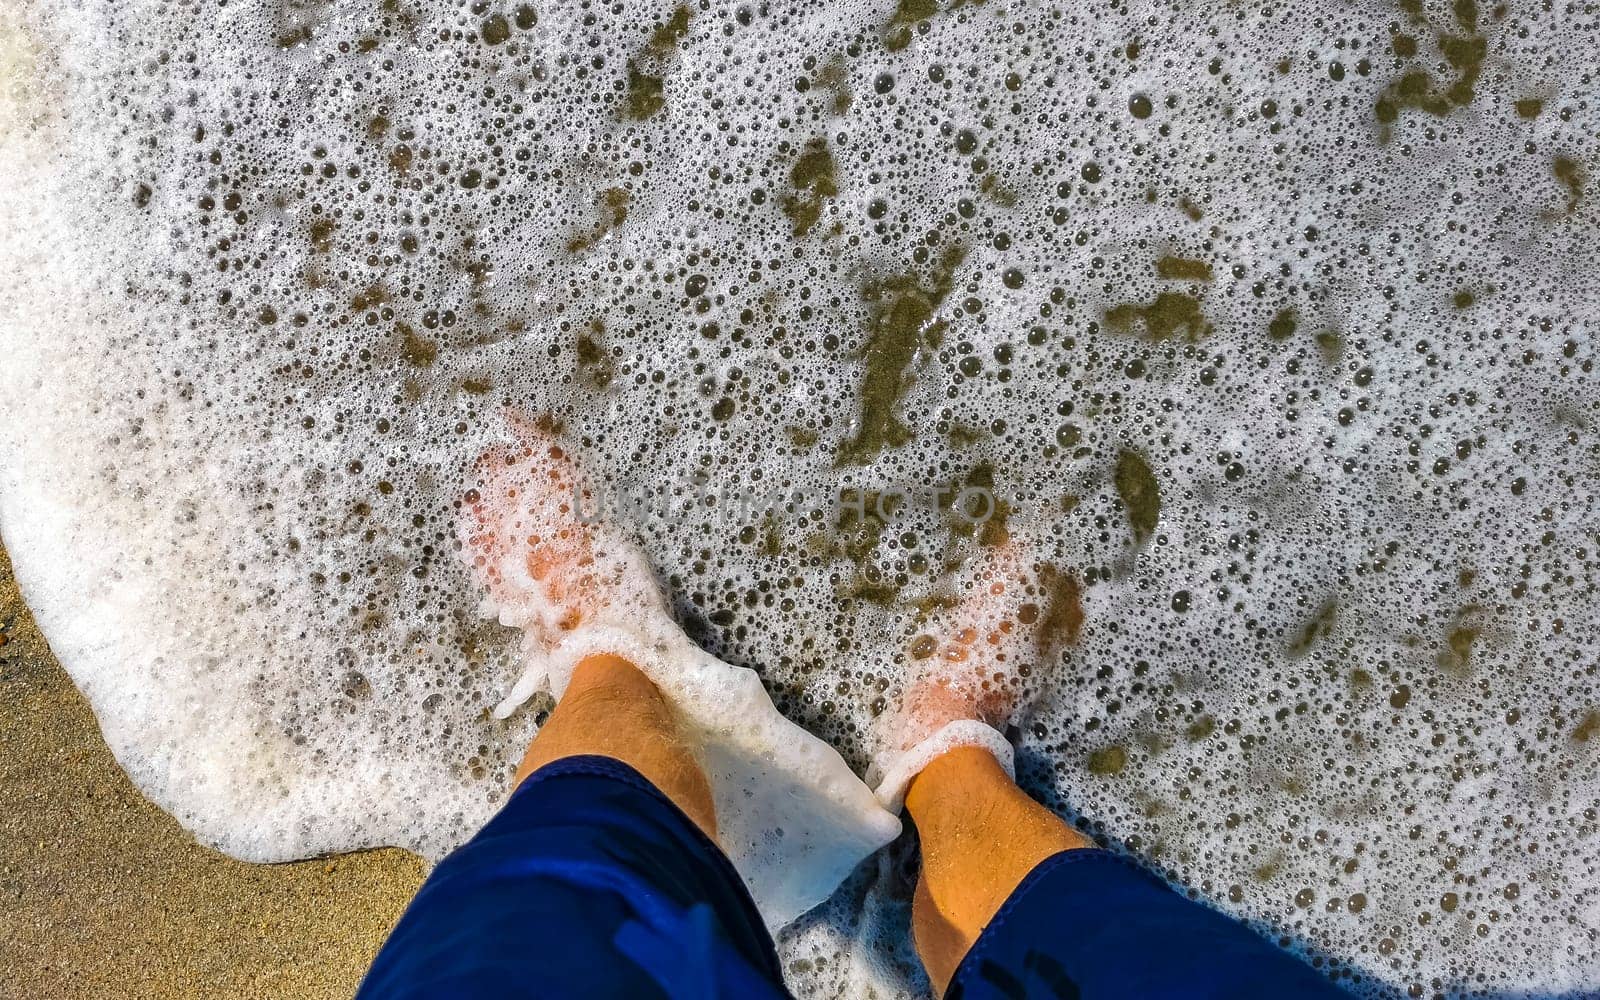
[(964, 785), (611, 709), (609, 675), (980, 837)]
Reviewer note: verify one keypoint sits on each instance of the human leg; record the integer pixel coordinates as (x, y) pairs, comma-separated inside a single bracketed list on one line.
[(610, 709), (600, 874), (941, 748), (1012, 901), (980, 836), (785, 806)]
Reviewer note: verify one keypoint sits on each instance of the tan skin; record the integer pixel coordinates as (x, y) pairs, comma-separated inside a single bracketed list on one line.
[(980, 833), (612, 710)]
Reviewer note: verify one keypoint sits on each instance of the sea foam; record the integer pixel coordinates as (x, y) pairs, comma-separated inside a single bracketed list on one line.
[(1273, 325)]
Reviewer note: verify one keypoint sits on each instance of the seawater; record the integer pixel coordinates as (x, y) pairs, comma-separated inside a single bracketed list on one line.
[(1270, 327)]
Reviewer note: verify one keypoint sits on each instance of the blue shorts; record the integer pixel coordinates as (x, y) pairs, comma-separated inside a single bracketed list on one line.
[(591, 883)]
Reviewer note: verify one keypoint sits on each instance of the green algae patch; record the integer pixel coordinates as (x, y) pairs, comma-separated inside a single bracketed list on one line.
[(1061, 622), (902, 24), (1183, 269), (1464, 50), (1570, 173), (1283, 325), (293, 37), (963, 435), (1320, 625), (907, 15), (771, 539), (1170, 314), (1529, 108), (1108, 760), (664, 40), (646, 85), (871, 591), (814, 183), (1588, 729), (646, 94), (801, 437), (1465, 55), (1140, 493), (418, 351), (322, 235), (1414, 89), (835, 77), (594, 360), (1331, 346), (612, 204), (1456, 657), (995, 190), (371, 297), (861, 524), (1200, 728), (901, 321), (977, 509)]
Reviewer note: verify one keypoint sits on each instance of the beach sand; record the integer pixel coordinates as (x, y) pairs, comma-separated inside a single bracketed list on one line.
[(103, 895)]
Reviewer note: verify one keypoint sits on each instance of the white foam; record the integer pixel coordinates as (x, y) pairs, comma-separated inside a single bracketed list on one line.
[(255, 316)]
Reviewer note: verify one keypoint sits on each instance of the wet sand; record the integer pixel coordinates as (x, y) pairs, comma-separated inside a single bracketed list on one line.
[(103, 895)]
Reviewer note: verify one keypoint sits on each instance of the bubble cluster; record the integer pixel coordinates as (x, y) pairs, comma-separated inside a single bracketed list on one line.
[(1270, 331)]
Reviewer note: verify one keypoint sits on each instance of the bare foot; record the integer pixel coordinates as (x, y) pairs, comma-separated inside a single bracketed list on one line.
[(943, 750), (545, 565), (965, 661), (968, 664)]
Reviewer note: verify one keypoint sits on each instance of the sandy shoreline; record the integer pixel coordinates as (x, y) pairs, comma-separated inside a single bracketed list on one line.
[(103, 895)]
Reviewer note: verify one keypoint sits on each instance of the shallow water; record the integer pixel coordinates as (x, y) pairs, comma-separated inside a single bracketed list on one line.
[(1270, 328)]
